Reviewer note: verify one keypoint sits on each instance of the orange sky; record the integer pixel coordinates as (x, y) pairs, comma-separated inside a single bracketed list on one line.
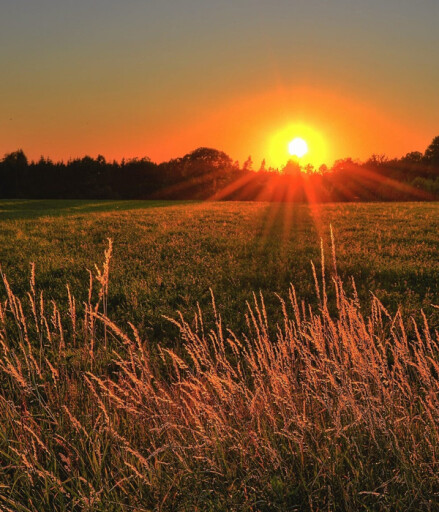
[(261, 125), (159, 79)]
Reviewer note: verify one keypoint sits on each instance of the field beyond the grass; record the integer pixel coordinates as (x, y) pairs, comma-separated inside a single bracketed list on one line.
[(218, 356)]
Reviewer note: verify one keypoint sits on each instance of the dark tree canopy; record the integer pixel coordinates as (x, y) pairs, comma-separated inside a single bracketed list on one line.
[(209, 157), (16, 159), (432, 152), (414, 157), (208, 173)]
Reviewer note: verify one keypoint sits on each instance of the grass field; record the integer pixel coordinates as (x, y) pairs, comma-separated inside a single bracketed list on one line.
[(168, 255), (332, 407)]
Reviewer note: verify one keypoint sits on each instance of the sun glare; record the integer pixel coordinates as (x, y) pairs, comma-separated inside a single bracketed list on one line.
[(300, 141), (298, 147)]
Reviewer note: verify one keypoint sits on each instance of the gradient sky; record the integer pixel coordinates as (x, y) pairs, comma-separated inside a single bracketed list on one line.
[(161, 77)]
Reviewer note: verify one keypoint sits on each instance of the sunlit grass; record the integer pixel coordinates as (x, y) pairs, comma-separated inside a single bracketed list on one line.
[(330, 408), (168, 255)]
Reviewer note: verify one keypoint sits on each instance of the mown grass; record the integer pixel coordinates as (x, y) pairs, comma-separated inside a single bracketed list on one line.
[(318, 398)]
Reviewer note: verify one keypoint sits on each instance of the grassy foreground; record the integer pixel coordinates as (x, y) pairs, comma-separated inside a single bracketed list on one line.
[(328, 407)]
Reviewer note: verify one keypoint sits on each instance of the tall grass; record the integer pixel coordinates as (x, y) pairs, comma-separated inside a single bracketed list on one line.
[(331, 410)]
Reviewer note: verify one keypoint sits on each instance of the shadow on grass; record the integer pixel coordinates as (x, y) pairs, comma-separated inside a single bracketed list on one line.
[(13, 209)]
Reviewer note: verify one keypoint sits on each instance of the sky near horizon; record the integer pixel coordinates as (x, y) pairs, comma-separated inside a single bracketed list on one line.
[(158, 78)]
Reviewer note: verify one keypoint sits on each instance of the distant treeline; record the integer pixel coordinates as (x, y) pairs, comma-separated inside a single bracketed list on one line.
[(210, 174)]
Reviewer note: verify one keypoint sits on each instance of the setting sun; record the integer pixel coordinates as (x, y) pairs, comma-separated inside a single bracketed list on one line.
[(298, 147), (299, 140)]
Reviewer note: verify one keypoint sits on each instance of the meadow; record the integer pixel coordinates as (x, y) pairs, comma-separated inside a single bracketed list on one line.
[(168, 255), (184, 372)]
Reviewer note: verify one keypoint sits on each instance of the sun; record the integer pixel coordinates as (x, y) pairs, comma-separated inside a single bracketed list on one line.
[(298, 147), (300, 141)]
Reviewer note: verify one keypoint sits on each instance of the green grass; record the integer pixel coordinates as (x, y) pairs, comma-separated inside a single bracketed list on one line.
[(167, 255), (332, 407)]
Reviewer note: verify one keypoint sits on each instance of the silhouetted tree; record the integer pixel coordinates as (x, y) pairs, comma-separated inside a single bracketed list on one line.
[(210, 157), (14, 180), (205, 171), (16, 159), (377, 160), (248, 164), (414, 157), (292, 168), (432, 152)]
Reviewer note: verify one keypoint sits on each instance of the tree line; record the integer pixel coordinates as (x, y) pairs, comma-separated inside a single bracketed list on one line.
[(211, 174)]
